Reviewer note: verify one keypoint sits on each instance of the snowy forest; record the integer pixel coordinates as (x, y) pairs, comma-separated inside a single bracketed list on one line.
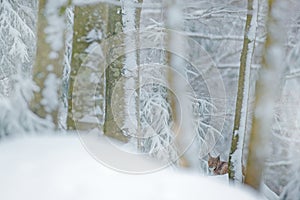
[(150, 99)]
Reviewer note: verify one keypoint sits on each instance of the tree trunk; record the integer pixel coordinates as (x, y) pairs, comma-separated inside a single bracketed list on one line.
[(266, 92), (90, 24), (241, 110), (131, 20), (138, 89), (48, 66), (114, 98)]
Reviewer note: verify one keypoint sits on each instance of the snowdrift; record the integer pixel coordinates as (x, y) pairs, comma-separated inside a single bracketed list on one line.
[(60, 168)]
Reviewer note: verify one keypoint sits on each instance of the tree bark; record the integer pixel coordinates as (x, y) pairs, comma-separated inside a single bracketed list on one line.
[(90, 24), (48, 66), (241, 110), (114, 98)]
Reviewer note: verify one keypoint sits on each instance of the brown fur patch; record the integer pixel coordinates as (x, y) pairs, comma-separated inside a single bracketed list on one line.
[(219, 167)]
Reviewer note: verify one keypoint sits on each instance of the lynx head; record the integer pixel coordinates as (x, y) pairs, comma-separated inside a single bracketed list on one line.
[(213, 162)]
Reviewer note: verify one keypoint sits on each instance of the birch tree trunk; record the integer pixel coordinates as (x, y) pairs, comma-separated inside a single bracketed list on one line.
[(48, 66), (266, 92), (90, 24), (241, 110)]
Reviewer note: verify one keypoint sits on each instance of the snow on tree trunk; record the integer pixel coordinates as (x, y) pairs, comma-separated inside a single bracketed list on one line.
[(114, 95), (63, 112), (48, 66), (241, 110), (130, 19), (266, 92), (86, 84), (138, 89), (130, 68)]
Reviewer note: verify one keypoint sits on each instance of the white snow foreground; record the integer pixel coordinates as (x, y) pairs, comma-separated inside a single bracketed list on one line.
[(60, 168)]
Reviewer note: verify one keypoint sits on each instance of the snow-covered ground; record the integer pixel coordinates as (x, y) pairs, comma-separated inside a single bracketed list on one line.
[(60, 168)]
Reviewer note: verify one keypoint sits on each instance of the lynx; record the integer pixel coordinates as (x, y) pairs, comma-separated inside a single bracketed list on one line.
[(219, 167)]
